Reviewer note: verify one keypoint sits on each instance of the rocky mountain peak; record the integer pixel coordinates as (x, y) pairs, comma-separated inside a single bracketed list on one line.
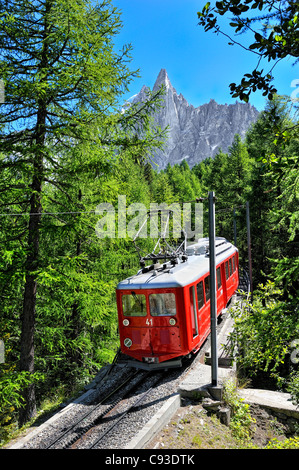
[(196, 133), (163, 79)]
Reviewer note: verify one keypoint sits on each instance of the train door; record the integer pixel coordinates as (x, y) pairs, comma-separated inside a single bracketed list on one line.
[(223, 280), (219, 288), (203, 307), (234, 280), (231, 278), (164, 322), (235, 269), (193, 312)]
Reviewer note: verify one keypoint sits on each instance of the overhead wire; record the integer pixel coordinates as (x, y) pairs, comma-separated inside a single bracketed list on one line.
[(5, 214)]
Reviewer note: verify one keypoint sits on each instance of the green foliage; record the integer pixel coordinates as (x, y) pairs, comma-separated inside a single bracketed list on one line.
[(63, 135), (241, 422), (274, 34), (229, 175), (289, 443), (293, 379), (12, 383), (264, 332), (274, 202), (92, 153)]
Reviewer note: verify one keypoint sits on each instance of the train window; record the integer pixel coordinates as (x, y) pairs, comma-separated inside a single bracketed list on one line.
[(218, 278), (226, 270), (234, 264), (207, 288), (200, 296), (134, 305), (230, 267), (162, 304)]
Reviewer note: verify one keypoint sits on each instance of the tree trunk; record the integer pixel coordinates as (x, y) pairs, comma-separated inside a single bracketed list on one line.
[(32, 263), (75, 318), (29, 302)]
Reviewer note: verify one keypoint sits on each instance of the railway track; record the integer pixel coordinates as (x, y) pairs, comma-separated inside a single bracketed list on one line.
[(111, 415), (117, 409), (96, 413), (113, 421), (100, 423)]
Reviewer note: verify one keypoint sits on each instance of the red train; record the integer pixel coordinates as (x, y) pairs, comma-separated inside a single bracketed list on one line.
[(164, 310)]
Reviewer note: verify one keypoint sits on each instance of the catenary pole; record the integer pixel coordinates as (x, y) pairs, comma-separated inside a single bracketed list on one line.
[(213, 298)]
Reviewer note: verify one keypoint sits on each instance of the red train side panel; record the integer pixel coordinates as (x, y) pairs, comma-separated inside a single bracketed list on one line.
[(199, 294)]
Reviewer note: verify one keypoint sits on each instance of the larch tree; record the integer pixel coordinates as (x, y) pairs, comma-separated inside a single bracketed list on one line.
[(63, 81)]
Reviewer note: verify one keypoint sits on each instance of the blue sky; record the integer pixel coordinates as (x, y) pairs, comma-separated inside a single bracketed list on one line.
[(200, 65)]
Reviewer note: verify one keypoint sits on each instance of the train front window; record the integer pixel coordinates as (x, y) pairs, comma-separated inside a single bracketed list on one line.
[(162, 304), (134, 305)]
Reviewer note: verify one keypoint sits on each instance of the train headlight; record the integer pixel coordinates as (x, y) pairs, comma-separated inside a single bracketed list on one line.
[(128, 342), (172, 321), (126, 322)]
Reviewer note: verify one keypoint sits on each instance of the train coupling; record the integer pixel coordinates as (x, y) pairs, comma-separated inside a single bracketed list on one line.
[(151, 360)]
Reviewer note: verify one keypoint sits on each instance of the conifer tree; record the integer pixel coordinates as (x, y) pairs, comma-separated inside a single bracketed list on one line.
[(274, 184), (63, 80)]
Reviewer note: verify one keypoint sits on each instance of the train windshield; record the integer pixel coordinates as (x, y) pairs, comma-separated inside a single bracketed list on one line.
[(134, 305), (162, 304)]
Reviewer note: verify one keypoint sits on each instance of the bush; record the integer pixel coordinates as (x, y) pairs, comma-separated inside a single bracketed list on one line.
[(263, 334), (291, 443), (241, 420), (11, 385), (293, 386)]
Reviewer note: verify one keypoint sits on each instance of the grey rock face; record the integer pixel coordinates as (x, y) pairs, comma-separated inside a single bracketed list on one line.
[(196, 133)]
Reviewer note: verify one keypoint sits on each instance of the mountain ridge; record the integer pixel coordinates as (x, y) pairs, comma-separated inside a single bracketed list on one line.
[(196, 133)]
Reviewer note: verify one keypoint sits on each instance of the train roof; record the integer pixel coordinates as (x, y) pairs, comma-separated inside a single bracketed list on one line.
[(182, 274)]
